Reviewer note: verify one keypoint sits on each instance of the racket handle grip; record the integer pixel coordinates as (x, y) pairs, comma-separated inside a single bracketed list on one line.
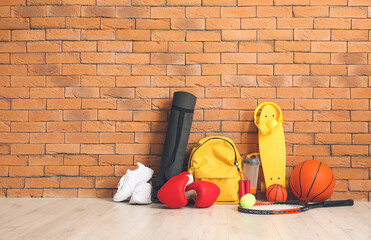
[(339, 203)]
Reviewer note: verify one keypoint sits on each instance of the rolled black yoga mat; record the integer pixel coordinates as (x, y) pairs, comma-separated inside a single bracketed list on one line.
[(179, 127)]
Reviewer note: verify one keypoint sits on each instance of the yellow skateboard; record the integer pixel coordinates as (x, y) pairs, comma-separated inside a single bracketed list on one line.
[(271, 143)]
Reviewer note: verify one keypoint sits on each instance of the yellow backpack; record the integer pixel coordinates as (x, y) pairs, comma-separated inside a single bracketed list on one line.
[(216, 159)]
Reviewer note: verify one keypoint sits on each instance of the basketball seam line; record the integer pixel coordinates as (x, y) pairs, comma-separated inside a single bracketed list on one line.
[(301, 190), (292, 187), (310, 189), (283, 195), (269, 192), (332, 179), (275, 196)]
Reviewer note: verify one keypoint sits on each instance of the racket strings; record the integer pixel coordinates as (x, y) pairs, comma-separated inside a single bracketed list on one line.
[(275, 207)]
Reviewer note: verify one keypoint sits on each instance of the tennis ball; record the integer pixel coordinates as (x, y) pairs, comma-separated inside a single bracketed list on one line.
[(247, 201)]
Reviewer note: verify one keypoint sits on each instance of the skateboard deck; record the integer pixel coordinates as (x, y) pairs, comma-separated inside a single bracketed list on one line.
[(271, 143)]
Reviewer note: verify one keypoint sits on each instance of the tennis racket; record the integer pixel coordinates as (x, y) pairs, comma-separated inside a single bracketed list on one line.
[(274, 208)]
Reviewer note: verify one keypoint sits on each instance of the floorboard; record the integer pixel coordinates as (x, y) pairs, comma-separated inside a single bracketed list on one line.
[(94, 218)]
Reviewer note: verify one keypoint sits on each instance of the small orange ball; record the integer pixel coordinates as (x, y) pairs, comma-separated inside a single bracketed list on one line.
[(276, 193)]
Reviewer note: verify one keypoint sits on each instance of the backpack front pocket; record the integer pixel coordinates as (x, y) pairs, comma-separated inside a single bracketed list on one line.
[(228, 186)]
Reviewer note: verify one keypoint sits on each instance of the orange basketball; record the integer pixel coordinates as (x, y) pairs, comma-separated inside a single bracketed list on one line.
[(276, 193), (312, 181)]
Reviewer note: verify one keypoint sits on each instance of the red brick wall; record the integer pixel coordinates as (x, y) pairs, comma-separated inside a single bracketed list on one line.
[(86, 85)]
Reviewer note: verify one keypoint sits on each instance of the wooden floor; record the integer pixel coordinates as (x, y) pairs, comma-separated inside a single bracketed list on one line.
[(52, 219)]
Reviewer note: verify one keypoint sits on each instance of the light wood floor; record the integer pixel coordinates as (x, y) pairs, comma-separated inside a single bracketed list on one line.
[(52, 219)]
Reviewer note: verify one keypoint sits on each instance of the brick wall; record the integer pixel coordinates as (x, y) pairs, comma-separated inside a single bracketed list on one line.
[(86, 85)]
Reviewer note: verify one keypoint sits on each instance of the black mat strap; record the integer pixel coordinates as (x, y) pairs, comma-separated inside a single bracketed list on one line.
[(182, 109)]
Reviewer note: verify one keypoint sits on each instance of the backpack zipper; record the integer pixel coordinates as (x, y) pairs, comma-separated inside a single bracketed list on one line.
[(235, 154)]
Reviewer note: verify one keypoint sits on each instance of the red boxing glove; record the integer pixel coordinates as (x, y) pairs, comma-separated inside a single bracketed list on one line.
[(203, 193), (172, 193)]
